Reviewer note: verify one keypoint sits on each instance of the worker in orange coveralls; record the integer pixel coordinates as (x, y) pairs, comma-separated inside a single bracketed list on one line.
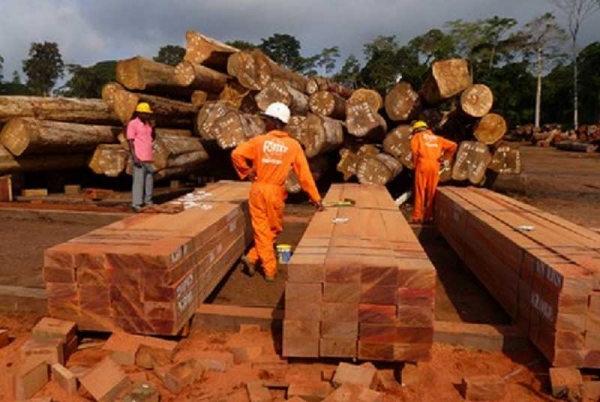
[(272, 156), (428, 150)]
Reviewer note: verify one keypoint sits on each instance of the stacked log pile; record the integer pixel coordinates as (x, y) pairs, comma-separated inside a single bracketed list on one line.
[(585, 139)]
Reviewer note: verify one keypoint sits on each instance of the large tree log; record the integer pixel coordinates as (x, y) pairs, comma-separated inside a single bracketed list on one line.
[(472, 160), (280, 91), (377, 169), (208, 115), (91, 111), (37, 163), (323, 84), (447, 78), (397, 144), (295, 127), (577, 146), (490, 129), (166, 112), (362, 120), (402, 102), (319, 134), (159, 132), (433, 118), (366, 95), (167, 147), (294, 79), (108, 95), (251, 68), (506, 159), (199, 98), (235, 127), (197, 77), (28, 136), (476, 101), (109, 160), (328, 104), (349, 159), (207, 51), (318, 167), (239, 97), (140, 74)]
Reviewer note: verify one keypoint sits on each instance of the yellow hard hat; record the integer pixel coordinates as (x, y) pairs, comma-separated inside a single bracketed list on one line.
[(143, 107), (419, 124)]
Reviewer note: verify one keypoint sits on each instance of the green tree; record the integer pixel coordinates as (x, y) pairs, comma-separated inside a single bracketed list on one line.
[(43, 68), (15, 87), (433, 45), (87, 82), (241, 44), (577, 12), (556, 94), (285, 50), (543, 40), (1, 68), (383, 65), (16, 78), (589, 77), (170, 54), (349, 73), (327, 59)]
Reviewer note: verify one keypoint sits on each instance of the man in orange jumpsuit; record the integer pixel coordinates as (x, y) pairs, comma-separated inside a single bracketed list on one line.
[(272, 156), (428, 150)]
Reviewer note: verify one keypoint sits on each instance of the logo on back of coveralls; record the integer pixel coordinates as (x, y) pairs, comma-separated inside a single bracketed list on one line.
[(273, 152), (430, 140)]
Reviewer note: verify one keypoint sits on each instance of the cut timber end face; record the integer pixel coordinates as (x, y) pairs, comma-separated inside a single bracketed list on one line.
[(447, 78), (490, 129), (402, 103), (477, 100), (366, 95), (15, 135), (184, 73)]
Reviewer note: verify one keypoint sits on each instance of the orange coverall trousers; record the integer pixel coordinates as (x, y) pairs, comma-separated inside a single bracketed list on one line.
[(426, 182)]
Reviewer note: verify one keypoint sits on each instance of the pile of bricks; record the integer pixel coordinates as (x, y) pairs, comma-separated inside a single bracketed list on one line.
[(542, 269), (148, 273), (359, 283)]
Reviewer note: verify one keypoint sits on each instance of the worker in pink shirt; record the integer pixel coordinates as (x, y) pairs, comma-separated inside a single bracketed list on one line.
[(140, 135)]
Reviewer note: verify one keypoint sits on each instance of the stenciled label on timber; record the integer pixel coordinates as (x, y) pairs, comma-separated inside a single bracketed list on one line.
[(184, 302), (183, 292), (542, 306), (548, 273)]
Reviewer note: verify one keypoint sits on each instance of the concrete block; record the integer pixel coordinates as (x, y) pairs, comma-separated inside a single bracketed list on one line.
[(105, 381), (350, 374), (483, 388), (64, 378), (31, 376), (355, 393), (182, 374), (53, 328), (155, 352), (565, 381), (591, 390), (51, 350), (124, 347)]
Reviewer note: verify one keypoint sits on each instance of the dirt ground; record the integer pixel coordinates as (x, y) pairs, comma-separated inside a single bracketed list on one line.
[(567, 184)]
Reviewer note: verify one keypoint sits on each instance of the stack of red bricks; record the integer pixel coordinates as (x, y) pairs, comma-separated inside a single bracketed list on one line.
[(148, 273), (359, 283), (543, 270)]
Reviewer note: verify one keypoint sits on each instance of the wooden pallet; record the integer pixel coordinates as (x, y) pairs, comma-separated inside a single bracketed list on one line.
[(547, 279), (148, 273), (362, 287)]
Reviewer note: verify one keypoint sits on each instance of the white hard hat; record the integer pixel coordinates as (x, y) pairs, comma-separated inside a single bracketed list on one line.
[(278, 111)]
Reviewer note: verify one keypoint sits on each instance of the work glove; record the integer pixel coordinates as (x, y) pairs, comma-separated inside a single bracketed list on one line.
[(319, 206)]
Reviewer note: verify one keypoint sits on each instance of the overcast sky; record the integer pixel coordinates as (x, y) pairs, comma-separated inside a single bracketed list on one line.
[(88, 31)]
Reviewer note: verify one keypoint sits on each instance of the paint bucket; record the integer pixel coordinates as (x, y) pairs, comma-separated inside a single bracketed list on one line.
[(284, 253)]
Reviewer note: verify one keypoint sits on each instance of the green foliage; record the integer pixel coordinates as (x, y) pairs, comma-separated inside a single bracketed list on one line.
[(87, 82), (241, 44), (43, 68), (349, 73), (544, 37), (557, 95), (1, 68), (589, 81), (327, 59), (433, 45), (16, 78), (285, 50), (170, 54)]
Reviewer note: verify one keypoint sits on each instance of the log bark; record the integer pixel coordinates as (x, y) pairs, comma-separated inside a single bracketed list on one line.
[(476, 101), (490, 129), (201, 49), (397, 144), (251, 68), (447, 78), (349, 159), (197, 77), (235, 127), (295, 127), (108, 94), (90, 111), (506, 160), (318, 167), (140, 74), (362, 120), (576, 146), (38, 163), (280, 91), (295, 80), (367, 95), (239, 97), (377, 169), (23, 136), (208, 115), (316, 84), (328, 104), (402, 103), (319, 134), (109, 160), (166, 112), (433, 118), (199, 98), (160, 133), (472, 160)]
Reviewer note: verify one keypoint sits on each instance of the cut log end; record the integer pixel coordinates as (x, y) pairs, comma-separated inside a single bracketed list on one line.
[(477, 100), (184, 73), (490, 129), (402, 102), (15, 137)]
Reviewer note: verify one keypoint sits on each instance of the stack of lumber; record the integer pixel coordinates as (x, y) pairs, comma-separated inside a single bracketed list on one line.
[(359, 284), (542, 269), (148, 273)]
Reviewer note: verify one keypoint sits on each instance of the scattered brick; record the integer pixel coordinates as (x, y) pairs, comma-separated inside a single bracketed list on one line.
[(155, 352), (31, 376), (310, 391), (214, 361), (565, 381), (351, 374), (105, 381), (257, 392), (64, 378), (354, 393), (53, 328), (142, 392), (409, 374), (50, 350), (245, 354), (124, 347), (483, 388), (4, 338), (182, 374)]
